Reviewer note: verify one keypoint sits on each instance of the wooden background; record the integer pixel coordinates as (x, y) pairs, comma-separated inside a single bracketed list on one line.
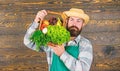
[(103, 31)]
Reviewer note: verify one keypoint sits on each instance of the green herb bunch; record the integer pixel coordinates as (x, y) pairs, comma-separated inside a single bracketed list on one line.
[(39, 38)]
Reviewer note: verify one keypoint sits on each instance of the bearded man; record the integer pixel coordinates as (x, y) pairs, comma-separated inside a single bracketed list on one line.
[(75, 55)]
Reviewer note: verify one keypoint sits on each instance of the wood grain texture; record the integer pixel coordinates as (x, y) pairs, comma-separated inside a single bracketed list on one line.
[(103, 31)]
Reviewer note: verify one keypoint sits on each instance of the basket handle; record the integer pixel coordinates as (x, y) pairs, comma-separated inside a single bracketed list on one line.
[(63, 16), (53, 12)]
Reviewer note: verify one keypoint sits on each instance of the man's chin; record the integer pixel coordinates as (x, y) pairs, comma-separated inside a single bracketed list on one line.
[(74, 33)]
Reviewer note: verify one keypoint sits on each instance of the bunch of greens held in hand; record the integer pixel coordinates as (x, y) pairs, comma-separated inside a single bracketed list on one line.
[(50, 31)]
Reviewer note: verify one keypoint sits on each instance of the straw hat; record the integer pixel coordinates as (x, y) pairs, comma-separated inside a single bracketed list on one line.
[(77, 13)]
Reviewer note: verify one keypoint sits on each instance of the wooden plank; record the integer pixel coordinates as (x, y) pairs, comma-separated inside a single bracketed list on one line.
[(106, 65), (104, 38), (62, 5), (14, 41), (106, 58), (54, 1), (20, 59)]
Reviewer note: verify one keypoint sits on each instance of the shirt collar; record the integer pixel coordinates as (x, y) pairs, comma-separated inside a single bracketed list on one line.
[(75, 41)]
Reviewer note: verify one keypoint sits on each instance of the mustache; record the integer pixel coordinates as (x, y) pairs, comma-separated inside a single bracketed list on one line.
[(73, 27)]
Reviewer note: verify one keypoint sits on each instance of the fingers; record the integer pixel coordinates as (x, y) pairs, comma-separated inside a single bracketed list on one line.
[(40, 15), (44, 11), (58, 49), (51, 45)]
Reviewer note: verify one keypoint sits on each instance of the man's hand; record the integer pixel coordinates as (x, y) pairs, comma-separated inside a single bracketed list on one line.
[(40, 15), (58, 49)]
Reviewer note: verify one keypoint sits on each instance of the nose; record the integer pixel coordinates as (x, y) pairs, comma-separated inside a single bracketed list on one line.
[(74, 24)]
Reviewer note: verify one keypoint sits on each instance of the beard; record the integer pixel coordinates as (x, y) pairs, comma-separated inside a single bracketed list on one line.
[(74, 31)]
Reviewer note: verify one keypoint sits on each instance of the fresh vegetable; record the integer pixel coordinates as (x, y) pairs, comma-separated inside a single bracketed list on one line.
[(59, 23), (58, 34), (44, 24), (39, 38), (53, 20), (55, 34), (44, 30)]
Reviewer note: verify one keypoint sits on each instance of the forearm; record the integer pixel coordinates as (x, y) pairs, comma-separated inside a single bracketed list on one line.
[(30, 30), (27, 40), (39, 17), (82, 63), (70, 61)]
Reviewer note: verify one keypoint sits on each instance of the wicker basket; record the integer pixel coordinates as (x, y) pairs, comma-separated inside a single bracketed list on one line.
[(63, 16)]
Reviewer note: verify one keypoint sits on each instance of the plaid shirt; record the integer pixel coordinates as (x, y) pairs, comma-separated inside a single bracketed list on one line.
[(82, 63)]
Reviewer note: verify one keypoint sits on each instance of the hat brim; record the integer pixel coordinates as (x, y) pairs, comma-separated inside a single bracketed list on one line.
[(85, 17)]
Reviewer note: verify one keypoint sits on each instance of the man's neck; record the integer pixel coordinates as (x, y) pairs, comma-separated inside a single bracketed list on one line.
[(72, 38)]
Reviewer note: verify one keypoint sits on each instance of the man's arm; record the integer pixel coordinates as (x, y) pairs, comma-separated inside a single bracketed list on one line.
[(83, 63), (39, 17), (28, 42), (29, 32)]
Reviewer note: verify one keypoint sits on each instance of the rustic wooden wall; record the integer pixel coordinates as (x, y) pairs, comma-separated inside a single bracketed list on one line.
[(103, 30)]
